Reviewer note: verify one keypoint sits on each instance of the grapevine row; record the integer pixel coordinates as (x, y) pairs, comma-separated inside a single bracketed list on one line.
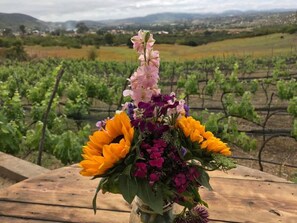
[(89, 86)]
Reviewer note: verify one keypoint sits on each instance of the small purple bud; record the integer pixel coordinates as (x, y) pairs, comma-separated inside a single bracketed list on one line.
[(183, 151), (187, 109)]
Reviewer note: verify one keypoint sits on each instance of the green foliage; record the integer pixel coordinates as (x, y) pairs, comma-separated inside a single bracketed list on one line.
[(92, 54), (181, 82), (280, 69), (240, 139), (67, 147), (294, 178), (292, 107), (242, 108), (13, 109), (33, 136), (223, 162), (38, 110), (210, 87), (212, 122), (294, 129), (81, 28), (84, 83), (17, 52), (253, 86), (75, 90), (109, 38), (191, 85), (77, 108), (286, 89), (232, 83), (10, 135)]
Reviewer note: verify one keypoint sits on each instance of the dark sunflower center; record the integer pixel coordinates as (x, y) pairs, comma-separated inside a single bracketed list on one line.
[(117, 139)]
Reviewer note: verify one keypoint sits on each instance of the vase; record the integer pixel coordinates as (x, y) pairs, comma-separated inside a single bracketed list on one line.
[(142, 213)]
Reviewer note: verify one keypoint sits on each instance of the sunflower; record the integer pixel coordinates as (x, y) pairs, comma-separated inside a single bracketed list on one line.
[(107, 146), (196, 132)]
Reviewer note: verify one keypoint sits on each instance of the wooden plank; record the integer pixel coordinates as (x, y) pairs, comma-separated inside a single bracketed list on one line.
[(264, 198), (12, 219), (20, 169), (235, 200), (242, 172), (73, 198), (61, 214), (59, 180)]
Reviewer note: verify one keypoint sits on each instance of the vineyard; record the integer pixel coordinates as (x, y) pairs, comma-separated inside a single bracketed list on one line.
[(52, 105)]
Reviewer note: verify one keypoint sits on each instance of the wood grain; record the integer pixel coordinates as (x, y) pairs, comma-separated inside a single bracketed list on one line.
[(243, 195)]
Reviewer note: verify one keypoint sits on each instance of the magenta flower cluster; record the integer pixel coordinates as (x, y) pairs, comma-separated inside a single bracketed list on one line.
[(160, 160)]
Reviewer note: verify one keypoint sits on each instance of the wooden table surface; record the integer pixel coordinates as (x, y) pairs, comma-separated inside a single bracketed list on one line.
[(241, 195)]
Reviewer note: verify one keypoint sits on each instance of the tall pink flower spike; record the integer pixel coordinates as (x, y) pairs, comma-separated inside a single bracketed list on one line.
[(144, 81)]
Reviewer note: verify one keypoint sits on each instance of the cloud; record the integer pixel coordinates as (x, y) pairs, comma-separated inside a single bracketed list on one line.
[(58, 10)]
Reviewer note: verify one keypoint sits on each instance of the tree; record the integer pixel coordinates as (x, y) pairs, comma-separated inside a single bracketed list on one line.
[(17, 52), (7, 32), (82, 28), (58, 32), (92, 53), (129, 43), (109, 38), (22, 29)]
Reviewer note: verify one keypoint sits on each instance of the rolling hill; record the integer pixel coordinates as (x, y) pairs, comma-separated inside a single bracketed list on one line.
[(14, 20)]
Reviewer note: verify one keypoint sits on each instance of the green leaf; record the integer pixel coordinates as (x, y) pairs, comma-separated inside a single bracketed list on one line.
[(153, 199), (102, 181), (198, 197), (203, 179), (128, 187)]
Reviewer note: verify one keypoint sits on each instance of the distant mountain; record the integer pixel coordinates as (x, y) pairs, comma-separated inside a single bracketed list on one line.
[(14, 20), (170, 17), (166, 17)]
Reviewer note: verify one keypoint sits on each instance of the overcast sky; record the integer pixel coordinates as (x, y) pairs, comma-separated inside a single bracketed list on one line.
[(62, 10)]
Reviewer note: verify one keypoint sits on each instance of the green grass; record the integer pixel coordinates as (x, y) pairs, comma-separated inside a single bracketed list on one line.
[(270, 45)]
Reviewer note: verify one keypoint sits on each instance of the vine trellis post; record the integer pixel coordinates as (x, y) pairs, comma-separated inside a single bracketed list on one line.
[(45, 116)]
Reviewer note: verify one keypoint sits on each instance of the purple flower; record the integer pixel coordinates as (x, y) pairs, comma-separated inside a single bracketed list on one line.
[(193, 174), (142, 125), (145, 146), (155, 155), (187, 109), (174, 105), (157, 98), (167, 97), (150, 126), (154, 177), (160, 143), (201, 213), (131, 108), (183, 151), (180, 179), (141, 170), (157, 162), (143, 105), (180, 182), (160, 129), (99, 124), (135, 122)]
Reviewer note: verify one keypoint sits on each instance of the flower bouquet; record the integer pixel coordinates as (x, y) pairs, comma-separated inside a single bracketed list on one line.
[(152, 151)]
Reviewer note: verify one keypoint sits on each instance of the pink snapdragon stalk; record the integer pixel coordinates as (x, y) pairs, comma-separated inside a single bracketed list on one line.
[(144, 81)]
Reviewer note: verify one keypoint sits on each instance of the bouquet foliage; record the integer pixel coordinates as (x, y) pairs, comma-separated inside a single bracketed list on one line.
[(153, 148)]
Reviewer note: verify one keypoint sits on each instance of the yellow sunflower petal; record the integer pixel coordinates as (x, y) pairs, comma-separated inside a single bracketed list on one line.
[(102, 152)]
